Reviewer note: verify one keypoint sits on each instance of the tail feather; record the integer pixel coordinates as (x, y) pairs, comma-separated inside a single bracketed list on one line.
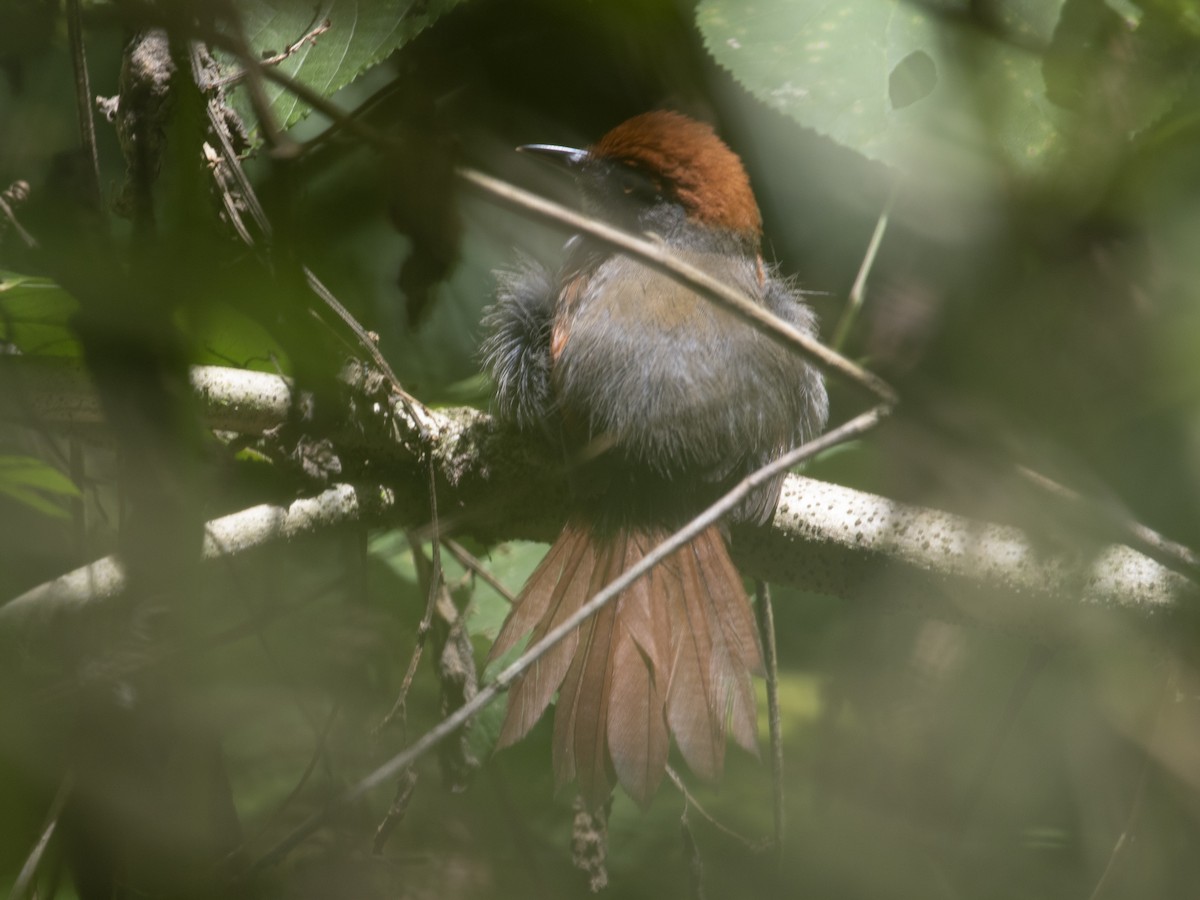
[(672, 655), (535, 597), (637, 729), (581, 720), (697, 719), (736, 655), (647, 619), (556, 589), (638, 738)]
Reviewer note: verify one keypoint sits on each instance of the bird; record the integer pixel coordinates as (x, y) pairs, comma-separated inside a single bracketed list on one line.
[(661, 401)]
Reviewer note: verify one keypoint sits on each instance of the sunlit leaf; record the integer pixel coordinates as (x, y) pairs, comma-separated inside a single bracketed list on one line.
[(361, 34)]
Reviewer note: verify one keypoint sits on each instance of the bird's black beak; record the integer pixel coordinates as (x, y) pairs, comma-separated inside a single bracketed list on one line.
[(568, 157)]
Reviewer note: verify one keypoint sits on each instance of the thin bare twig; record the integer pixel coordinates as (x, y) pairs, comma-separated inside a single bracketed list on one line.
[(21, 887), (1173, 555), (859, 291), (318, 752), (691, 852), (1139, 794), (435, 586), (469, 561), (660, 257), (532, 654), (368, 343), (766, 630), (1036, 661), (754, 846)]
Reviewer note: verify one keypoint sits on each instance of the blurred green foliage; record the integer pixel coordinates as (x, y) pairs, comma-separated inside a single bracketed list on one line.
[(1035, 300)]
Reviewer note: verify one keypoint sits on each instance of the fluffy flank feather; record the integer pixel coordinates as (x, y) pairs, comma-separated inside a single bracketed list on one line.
[(517, 350)]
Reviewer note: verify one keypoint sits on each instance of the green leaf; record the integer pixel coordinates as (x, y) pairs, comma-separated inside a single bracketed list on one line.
[(905, 83), (35, 315), (226, 336), (512, 564), (28, 480), (361, 34)]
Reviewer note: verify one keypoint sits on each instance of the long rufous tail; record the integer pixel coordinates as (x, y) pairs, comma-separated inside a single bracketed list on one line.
[(672, 655)]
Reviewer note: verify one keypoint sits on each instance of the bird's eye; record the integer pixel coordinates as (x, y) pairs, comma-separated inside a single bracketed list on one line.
[(638, 185)]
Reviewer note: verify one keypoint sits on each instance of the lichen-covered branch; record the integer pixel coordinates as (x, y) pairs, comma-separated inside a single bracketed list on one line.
[(226, 536), (496, 484)]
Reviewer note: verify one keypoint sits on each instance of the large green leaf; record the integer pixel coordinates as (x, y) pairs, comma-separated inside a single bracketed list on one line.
[(899, 81), (361, 34)]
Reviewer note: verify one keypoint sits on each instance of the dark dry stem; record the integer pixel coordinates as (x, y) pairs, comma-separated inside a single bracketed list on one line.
[(83, 102), (405, 788), (430, 576), (220, 127)]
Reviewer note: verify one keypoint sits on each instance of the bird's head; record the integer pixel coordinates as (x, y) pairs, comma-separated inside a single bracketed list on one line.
[(660, 167)]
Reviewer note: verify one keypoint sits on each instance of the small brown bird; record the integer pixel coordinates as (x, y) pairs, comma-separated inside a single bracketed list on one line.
[(664, 401)]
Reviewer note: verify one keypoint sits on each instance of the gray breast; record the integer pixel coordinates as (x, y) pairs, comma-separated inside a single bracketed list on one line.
[(674, 381)]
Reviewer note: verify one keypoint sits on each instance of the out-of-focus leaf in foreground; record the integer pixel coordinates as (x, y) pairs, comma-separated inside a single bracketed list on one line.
[(32, 482), (894, 79)]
